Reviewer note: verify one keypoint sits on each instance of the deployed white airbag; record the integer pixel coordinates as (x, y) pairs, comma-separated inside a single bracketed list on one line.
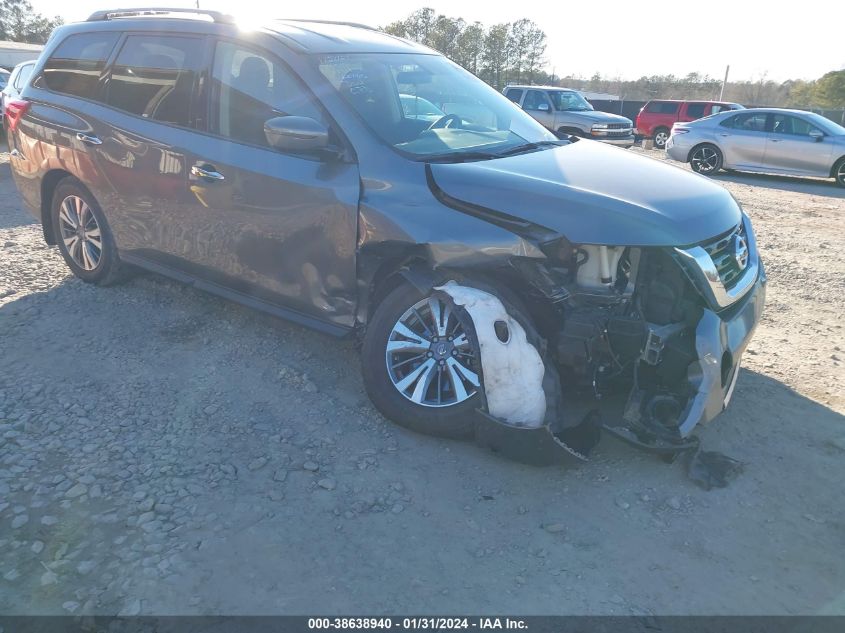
[(513, 370)]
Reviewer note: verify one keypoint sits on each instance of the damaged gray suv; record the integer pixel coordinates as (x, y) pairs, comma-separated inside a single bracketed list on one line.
[(495, 274)]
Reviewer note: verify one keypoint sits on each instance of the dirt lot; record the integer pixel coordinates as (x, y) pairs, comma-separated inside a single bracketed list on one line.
[(163, 451)]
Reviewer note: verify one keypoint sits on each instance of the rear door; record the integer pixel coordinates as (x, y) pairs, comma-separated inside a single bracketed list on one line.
[(141, 139), (790, 147), (742, 139)]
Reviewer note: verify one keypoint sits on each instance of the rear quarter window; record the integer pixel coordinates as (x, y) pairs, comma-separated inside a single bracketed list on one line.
[(75, 66)]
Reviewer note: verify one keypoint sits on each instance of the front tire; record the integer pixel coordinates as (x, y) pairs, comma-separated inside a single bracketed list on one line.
[(706, 159), (83, 235), (420, 365)]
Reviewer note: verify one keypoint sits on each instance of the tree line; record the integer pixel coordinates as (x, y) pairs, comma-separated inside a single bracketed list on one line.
[(514, 52), (20, 23), (500, 54)]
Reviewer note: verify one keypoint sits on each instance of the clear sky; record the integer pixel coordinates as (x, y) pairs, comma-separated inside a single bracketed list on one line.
[(626, 39)]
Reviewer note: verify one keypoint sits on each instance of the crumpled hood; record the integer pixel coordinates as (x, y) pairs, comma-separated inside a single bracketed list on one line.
[(599, 116), (595, 194)]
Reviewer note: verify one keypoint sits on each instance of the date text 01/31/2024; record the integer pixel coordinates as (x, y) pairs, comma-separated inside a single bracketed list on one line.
[(412, 624)]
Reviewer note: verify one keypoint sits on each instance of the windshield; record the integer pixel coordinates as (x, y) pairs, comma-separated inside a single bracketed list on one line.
[(456, 114), (569, 101), (414, 106)]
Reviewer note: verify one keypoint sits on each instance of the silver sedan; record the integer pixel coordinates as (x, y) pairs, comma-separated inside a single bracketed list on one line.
[(764, 140)]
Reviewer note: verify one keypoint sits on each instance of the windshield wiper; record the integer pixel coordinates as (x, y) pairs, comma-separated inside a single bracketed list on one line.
[(458, 157), (528, 147)]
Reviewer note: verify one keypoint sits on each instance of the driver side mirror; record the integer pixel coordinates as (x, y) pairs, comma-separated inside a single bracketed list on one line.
[(816, 135), (296, 134), (543, 107)]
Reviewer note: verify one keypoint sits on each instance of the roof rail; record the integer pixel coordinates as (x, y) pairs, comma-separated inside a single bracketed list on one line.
[(110, 14), (336, 22)]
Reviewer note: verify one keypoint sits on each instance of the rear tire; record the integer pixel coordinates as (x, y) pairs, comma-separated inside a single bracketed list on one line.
[(706, 159), (839, 172), (382, 384), (83, 235), (661, 135)]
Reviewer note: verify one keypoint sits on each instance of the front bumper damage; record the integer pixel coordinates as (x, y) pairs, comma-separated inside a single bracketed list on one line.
[(656, 419)]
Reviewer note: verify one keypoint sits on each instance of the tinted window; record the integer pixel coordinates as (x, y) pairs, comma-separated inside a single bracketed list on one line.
[(662, 107), (74, 67), (249, 88), (514, 95), (750, 122), (785, 124), (533, 100), (695, 110), (154, 77)]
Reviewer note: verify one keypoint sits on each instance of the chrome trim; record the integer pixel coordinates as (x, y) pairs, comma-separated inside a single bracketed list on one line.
[(701, 268)]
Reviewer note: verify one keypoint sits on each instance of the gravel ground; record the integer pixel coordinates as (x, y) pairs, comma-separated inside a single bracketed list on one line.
[(166, 452)]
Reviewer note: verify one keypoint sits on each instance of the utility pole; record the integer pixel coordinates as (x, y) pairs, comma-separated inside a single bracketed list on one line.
[(722, 92)]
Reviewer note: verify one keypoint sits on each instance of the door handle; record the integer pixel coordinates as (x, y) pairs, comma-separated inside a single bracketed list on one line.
[(204, 170), (724, 134), (775, 140), (88, 139)]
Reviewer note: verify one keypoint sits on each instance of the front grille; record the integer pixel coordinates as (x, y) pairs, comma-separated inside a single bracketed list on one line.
[(722, 251), (617, 126)]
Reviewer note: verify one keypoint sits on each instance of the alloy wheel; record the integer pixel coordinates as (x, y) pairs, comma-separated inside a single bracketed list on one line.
[(660, 139), (430, 359), (704, 160), (840, 174), (80, 232)]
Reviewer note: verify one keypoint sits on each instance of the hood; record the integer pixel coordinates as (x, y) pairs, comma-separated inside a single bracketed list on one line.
[(592, 193), (597, 116)]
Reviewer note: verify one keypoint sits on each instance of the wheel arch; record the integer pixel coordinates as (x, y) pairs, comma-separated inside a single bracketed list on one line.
[(417, 267), (702, 144), (49, 183), (568, 129), (836, 164)]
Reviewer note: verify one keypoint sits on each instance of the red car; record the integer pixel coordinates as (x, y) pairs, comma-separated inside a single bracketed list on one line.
[(657, 117)]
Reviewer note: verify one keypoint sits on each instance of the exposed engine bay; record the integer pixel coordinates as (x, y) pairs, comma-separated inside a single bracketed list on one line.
[(619, 324)]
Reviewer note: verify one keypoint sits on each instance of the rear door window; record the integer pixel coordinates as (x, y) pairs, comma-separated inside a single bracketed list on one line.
[(154, 77), (75, 66), (748, 122), (662, 107)]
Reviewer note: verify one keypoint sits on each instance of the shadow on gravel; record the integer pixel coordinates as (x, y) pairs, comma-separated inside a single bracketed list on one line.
[(813, 186), (278, 488), (12, 212)]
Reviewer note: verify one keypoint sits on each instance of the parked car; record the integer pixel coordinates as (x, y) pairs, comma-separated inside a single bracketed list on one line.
[(777, 141), (4, 78), (15, 83), (566, 112), (477, 256), (415, 107), (656, 118)]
